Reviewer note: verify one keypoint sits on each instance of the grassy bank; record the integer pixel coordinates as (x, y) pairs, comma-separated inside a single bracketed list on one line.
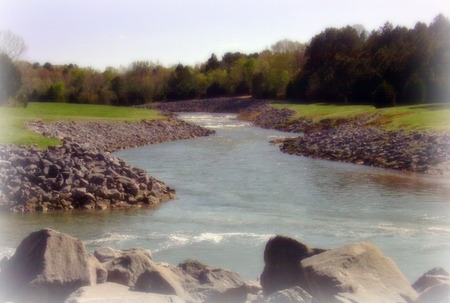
[(12, 119), (434, 117)]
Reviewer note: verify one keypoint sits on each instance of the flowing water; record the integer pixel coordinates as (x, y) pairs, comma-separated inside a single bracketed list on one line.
[(235, 191)]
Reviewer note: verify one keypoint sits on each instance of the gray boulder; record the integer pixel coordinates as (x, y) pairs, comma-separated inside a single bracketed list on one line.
[(125, 266), (195, 282), (47, 266), (213, 284), (433, 286), (282, 256), (290, 295), (117, 293), (357, 273)]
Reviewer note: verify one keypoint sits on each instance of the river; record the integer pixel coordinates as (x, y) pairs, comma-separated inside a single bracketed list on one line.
[(235, 191)]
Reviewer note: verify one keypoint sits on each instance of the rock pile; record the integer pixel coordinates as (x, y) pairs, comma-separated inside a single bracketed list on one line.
[(349, 142), (112, 136), (73, 176), (49, 266), (81, 174), (356, 141)]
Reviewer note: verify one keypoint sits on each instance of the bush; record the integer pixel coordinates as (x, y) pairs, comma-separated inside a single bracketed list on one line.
[(384, 95)]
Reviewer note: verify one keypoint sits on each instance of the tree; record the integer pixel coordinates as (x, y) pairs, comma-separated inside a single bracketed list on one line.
[(12, 45), (212, 63), (10, 78), (287, 46)]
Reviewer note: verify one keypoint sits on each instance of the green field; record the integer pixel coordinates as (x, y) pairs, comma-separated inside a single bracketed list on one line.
[(433, 117), (12, 119)]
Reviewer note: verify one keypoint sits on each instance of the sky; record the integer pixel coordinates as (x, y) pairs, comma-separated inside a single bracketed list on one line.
[(101, 33)]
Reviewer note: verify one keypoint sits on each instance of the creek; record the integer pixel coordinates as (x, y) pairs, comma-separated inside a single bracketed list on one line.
[(235, 190)]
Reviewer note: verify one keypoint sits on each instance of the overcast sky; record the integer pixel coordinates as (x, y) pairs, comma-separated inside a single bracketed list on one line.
[(101, 33)]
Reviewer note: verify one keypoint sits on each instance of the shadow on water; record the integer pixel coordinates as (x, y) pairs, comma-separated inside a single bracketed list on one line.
[(412, 183)]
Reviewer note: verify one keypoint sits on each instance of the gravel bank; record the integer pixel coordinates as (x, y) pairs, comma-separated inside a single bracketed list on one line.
[(357, 141), (82, 174)]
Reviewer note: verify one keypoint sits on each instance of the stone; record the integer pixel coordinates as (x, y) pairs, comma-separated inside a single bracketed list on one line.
[(282, 269), (290, 295), (127, 265), (431, 278), (357, 273), (211, 283), (47, 266), (159, 280), (117, 293), (433, 286)]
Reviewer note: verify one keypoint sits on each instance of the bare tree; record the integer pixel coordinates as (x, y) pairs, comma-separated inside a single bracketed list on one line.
[(12, 45)]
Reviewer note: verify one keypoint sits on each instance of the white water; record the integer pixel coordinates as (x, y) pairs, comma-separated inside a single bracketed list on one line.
[(235, 191)]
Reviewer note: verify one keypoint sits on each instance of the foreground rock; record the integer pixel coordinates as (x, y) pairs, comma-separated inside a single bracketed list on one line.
[(48, 266), (282, 269), (433, 286), (191, 280), (73, 176), (356, 273), (359, 272)]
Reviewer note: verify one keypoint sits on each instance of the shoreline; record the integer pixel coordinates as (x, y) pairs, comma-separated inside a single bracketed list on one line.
[(34, 179), (357, 141), (81, 173)]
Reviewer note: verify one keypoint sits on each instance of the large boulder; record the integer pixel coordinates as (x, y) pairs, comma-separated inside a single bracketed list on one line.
[(213, 284), (357, 273), (117, 293), (164, 280), (282, 269), (433, 286), (47, 266), (125, 266), (195, 282)]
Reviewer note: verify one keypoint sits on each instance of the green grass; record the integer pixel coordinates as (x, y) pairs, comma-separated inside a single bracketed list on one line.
[(12, 119), (432, 117)]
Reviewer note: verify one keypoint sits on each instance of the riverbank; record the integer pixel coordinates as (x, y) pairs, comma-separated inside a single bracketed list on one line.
[(358, 140), (293, 272), (363, 138), (81, 173)]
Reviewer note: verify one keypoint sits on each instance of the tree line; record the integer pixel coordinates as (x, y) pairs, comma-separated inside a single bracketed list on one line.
[(389, 66)]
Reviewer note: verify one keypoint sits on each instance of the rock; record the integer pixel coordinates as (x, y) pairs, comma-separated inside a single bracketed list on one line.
[(357, 273), (433, 286), (282, 256), (116, 293), (160, 280), (127, 265), (47, 266), (431, 278), (213, 284), (195, 282), (435, 294), (290, 295)]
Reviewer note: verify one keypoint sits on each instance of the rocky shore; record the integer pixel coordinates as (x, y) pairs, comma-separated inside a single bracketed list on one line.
[(60, 269), (112, 136), (358, 141), (82, 174)]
